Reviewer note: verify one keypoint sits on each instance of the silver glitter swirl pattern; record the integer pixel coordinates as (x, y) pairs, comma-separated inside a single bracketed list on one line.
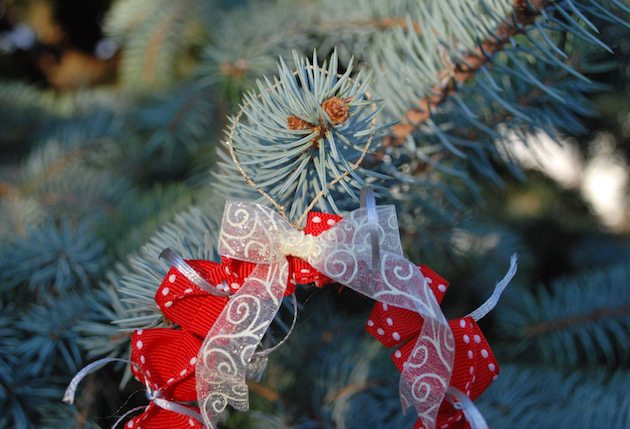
[(254, 233)]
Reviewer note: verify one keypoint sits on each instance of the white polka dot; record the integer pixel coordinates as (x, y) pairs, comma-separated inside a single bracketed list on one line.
[(139, 344), (183, 372), (331, 222), (170, 380), (396, 336), (142, 359), (492, 367), (380, 331), (148, 373), (467, 394), (474, 378), (442, 288), (462, 323), (305, 271), (165, 291), (130, 424), (471, 370), (227, 270), (385, 307), (168, 304), (484, 353), (189, 290), (235, 285), (470, 354), (316, 219), (370, 323), (429, 280), (494, 377), (389, 321), (139, 331), (459, 417), (477, 339), (193, 360), (444, 426), (191, 422), (172, 278), (467, 385), (466, 339), (398, 354)]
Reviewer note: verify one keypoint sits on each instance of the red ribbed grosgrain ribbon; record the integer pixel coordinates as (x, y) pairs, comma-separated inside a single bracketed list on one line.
[(474, 367), (256, 234), (171, 411)]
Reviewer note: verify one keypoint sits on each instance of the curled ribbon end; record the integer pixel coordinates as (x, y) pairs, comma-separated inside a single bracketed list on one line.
[(491, 302)]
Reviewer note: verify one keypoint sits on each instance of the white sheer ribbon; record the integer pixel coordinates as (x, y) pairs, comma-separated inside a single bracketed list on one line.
[(254, 233), (463, 402)]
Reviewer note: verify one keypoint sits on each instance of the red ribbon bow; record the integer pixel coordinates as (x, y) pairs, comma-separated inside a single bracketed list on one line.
[(474, 366), (195, 310), (167, 357)]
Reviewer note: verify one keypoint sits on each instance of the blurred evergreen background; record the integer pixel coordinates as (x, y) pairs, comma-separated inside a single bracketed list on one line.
[(110, 116)]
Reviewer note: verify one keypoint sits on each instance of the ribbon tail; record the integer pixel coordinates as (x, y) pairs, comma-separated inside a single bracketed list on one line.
[(71, 390), (228, 348), (463, 402), (427, 373)]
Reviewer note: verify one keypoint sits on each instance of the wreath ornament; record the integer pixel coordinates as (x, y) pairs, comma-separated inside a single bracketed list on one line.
[(224, 309)]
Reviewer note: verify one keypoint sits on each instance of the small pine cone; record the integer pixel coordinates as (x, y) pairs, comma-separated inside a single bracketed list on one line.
[(337, 109), (295, 123)]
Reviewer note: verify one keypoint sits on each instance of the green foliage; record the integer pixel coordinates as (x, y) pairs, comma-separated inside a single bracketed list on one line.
[(51, 343), (53, 258), (293, 165), (525, 397), (583, 320), (154, 43)]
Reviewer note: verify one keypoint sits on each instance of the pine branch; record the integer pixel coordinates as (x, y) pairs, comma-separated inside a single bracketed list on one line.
[(595, 316), (581, 320), (547, 398), (525, 14)]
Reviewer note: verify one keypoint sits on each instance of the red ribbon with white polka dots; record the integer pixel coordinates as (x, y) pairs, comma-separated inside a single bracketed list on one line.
[(475, 366), (164, 409)]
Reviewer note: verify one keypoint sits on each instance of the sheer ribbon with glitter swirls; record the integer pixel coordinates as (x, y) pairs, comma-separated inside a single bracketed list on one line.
[(254, 233)]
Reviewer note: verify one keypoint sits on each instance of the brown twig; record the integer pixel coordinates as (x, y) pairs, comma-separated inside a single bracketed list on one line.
[(351, 389), (525, 13), (264, 391), (564, 323), (379, 24), (88, 399)]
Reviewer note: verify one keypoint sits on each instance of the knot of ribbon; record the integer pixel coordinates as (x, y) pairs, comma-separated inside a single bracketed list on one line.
[(345, 253), (296, 243)]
